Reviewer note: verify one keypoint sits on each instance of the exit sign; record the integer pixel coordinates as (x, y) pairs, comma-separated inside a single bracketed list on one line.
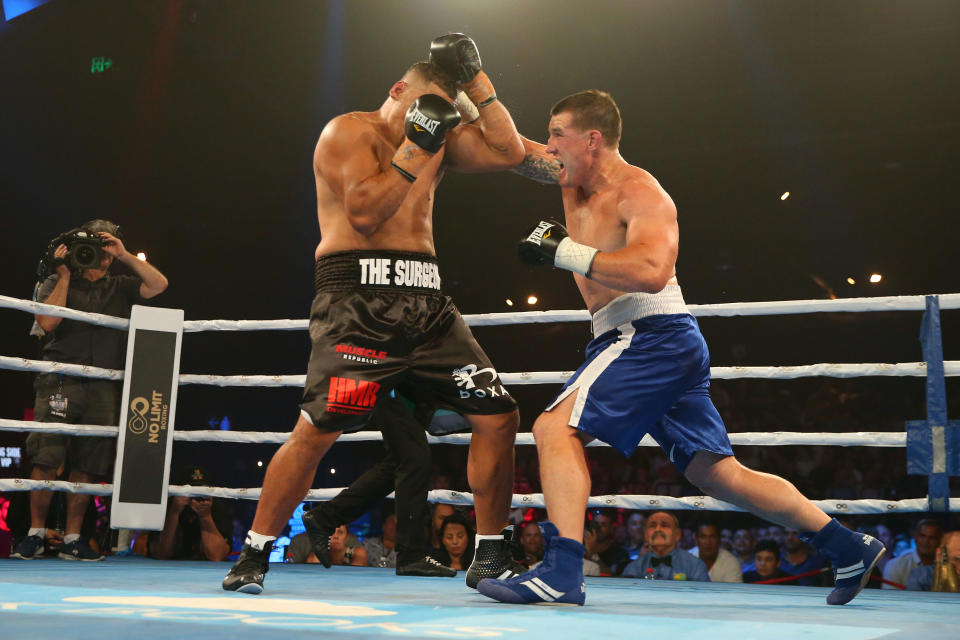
[(100, 65)]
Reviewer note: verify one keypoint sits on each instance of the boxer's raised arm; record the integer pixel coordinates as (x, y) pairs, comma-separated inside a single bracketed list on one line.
[(537, 164), (346, 159), (491, 141)]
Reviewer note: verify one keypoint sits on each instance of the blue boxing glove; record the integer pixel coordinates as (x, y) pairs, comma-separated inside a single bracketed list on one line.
[(548, 243)]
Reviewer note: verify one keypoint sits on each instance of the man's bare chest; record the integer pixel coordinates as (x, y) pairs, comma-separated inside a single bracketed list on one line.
[(595, 223)]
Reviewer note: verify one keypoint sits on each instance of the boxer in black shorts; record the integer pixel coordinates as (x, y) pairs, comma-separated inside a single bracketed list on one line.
[(378, 320)]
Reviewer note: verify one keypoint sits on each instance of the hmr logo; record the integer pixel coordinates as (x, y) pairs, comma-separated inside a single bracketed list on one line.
[(347, 395), (464, 377)]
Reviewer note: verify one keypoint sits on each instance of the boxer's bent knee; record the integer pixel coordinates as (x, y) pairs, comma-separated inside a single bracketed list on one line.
[(305, 434), (495, 424), (556, 420), (713, 473)]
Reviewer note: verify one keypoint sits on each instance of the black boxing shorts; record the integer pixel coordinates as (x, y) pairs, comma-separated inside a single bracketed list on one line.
[(379, 322)]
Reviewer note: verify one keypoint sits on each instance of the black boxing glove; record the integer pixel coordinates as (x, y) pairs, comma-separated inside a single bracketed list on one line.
[(548, 243), (456, 55), (426, 124), (427, 121)]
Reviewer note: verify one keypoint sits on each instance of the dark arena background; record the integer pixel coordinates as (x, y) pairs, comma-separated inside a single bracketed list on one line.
[(807, 145)]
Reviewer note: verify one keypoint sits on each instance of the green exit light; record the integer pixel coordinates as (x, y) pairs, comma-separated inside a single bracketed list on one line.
[(100, 65)]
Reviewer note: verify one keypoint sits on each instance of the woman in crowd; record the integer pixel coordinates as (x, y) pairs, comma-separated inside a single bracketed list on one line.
[(456, 543)]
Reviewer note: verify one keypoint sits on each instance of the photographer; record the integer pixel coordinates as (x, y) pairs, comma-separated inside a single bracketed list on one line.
[(194, 529), (80, 261)]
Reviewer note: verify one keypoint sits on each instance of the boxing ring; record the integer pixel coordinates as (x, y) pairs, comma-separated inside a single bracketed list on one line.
[(125, 595)]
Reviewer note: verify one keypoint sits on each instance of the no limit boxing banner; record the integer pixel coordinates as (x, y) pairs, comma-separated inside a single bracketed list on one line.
[(142, 468)]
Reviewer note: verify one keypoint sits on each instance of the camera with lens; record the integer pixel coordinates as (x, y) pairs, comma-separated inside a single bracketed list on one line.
[(84, 249)]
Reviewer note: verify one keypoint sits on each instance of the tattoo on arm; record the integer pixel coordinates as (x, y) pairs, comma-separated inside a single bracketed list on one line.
[(539, 168), (411, 151)]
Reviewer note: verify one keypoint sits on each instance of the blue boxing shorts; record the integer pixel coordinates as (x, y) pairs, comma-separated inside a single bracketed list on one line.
[(647, 375)]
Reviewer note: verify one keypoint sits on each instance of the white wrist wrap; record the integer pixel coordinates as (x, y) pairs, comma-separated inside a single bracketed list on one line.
[(574, 256)]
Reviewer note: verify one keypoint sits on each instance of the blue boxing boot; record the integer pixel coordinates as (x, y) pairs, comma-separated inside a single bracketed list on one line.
[(556, 580), (852, 554)]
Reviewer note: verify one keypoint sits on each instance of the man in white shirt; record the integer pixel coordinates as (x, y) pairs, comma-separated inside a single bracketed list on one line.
[(927, 536), (722, 565)]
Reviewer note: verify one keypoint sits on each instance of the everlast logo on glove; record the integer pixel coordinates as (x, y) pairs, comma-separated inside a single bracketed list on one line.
[(540, 232), (418, 119)]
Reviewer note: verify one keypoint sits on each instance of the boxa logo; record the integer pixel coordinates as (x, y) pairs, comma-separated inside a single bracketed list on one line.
[(464, 377)]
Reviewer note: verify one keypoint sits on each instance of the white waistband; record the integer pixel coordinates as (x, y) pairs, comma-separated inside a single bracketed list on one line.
[(633, 306)]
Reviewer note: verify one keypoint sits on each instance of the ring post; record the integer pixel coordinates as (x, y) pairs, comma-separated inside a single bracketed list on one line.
[(145, 437), (933, 445)]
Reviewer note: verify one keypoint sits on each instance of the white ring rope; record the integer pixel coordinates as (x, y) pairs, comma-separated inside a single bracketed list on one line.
[(951, 368), (879, 439), (845, 305), (771, 438), (531, 500)]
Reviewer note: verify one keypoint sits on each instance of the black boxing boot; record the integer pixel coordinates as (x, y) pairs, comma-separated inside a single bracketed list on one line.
[(495, 558), (426, 566), (246, 576), (319, 530)]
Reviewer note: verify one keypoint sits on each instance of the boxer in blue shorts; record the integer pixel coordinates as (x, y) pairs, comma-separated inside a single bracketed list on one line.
[(647, 369)]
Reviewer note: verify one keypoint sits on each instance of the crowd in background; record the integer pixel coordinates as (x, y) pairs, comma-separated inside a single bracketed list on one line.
[(729, 546)]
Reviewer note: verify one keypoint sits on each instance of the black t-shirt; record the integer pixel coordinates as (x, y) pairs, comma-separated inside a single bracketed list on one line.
[(76, 342)]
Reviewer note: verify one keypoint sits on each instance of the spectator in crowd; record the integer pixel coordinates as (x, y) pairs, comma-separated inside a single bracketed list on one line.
[(456, 539), (799, 557), (382, 549), (726, 539), (778, 534), (722, 565), (345, 549), (927, 535), (601, 546), (766, 558), (743, 544), (666, 561), (922, 577), (194, 528), (440, 513), (73, 400), (531, 541), (636, 543)]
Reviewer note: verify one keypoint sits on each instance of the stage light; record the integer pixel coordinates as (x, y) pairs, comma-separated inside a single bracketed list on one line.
[(142, 257), (531, 300), (851, 281), (875, 278), (509, 302), (786, 194)]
